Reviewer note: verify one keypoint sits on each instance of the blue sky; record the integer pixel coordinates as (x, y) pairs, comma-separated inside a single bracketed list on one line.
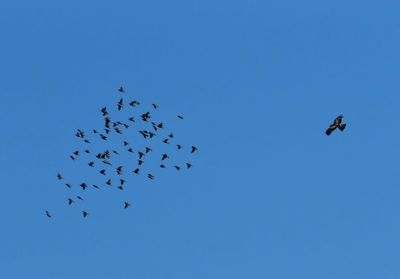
[(269, 195)]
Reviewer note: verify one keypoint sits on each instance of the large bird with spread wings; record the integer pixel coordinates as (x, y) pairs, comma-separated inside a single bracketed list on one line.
[(337, 123)]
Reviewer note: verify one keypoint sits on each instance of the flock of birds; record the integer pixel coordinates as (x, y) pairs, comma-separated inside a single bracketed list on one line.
[(104, 159)]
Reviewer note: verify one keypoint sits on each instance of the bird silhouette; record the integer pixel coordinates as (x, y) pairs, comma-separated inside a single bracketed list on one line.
[(109, 182), (162, 166), (70, 201), (155, 106), (120, 187), (127, 204), (136, 171), (194, 148), (48, 214), (103, 172), (91, 164), (107, 163), (59, 176), (80, 198), (164, 156), (140, 162), (120, 104), (104, 111), (68, 185), (188, 165), (171, 135), (125, 143), (141, 154), (177, 167), (83, 185), (121, 89), (95, 186), (336, 124), (87, 151), (76, 153), (180, 117), (150, 176), (119, 170), (166, 141), (179, 146), (87, 141), (72, 157), (130, 150), (122, 181), (148, 149), (85, 214)]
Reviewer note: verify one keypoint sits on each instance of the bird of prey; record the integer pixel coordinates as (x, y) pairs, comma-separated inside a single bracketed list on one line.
[(103, 172), (59, 176), (109, 182), (122, 181), (118, 130), (188, 165), (130, 150), (155, 106), (85, 214), (171, 135), (164, 156), (120, 187), (107, 131), (127, 204), (166, 141), (161, 125), (151, 134), (72, 157), (132, 119), (121, 89), (194, 148), (150, 176), (148, 149), (337, 123), (177, 167), (119, 170), (80, 198), (126, 143), (68, 185), (83, 185), (125, 125), (76, 153), (48, 214), (136, 171), (141, 154), (104, 111), (103, 137), (91, 164), (140, 162), (120, 104), (180, 117), (179, 146), (70, 201)]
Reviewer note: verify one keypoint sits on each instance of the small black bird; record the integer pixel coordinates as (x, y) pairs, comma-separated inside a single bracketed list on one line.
[(91, 164), (166, 141), (177, 167), (120, 104), (122, 181), (103, 172), (164, 156), (336, 124), (87, 141), (83, 185), (171, 135), (162, 166), (141, 154), (70, 201), (59, 176), (180, 117), (179, 146), (95, 186), (68, 185), (140, 162), (79, 197), (150, 176), (121, 89), (85, 214), (87, 151), (188, 165), (103, 137), (148, 149), (130, 150), (76, 153), (132, 119), (72, 157), (136, 171), (119, 170), (126, 143), (104, 111), (48, 214), (95, 131), (120, 187), (155, 106), (116, 152), (107, 163), (127, 204), (194, 148), (109, 182)]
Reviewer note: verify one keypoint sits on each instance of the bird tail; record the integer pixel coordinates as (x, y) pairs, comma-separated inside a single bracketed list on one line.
[(341, 127)]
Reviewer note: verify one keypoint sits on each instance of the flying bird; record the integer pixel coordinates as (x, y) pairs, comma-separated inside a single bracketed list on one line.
[(194, 148), (85, 214), (179, 146), (132, 119), (103, 172), (141, 154), (155, 106), (109, 182), (95, 131), (127, 204), (164, 156), (59, 176), (126, 143), (122, 181), (140, 162), (136, 171), (150, 176), (68, 185), (119, 170), (95, 186), (80, 198), (337, 123), (162, 166), (76, 153), (48, 214), (87, 151), (104, 111), (130, 150), (177, 167), (83, 185), (70, 201), (87, 141), (91, 164), (120, 187), (72, 157), (116, 152), (180, 117), (188, 165), (148, 149), (120, 104), (166, 141), (107, 163), (121, 89)]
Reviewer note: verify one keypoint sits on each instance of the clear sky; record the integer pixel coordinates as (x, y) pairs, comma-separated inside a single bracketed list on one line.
[(269, 194)]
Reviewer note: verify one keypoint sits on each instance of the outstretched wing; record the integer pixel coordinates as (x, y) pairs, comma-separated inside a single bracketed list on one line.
[(338, 120), (331, 129), (341, 127)]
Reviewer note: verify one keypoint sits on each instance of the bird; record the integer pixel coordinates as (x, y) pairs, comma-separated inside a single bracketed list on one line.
[(91, 164), (116, 152), (87, 141), (155, 106), (162, 166), (103, 172), (120, 187), (180, 117), (143, 134), (119, 170), (120, 104), (107, 131), (79, 197), (126, 143), (95, 186), (177, 167), (336, 124), (171, 135), (121, 89), (72, 157), (85, 214), (81, 133), (140, 162), (188, 165), (103, 137), (70, 201), (48, 214), (148, 149), (141, 154), (151, 134), (134, 103), (125, 125), (132, 119), (83, 185), (87, 151), (109, 182), (166, 141), (95, 131), (104, 111), (118, 130), (127, 204), (179, 146), (136, 171), (59, 176), (150, 176), (194, 148), (122, 181), (146, 116), (160, 125), (76, 153), (107, 163), (68, 185), (164, 156), (130, 150)]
